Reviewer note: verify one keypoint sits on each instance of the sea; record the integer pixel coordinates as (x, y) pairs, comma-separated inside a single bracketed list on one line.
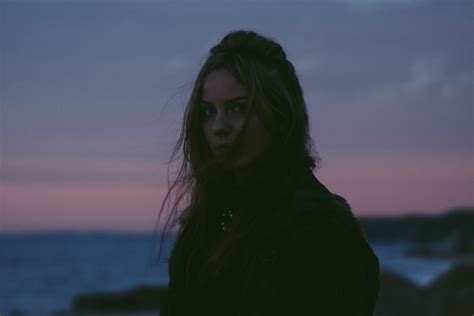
[(40, 274)]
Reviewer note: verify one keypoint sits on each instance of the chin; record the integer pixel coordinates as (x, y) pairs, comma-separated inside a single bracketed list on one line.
[(229, 163), (243, 163)]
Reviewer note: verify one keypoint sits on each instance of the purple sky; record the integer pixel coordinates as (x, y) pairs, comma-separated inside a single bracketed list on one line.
[(92, 95)]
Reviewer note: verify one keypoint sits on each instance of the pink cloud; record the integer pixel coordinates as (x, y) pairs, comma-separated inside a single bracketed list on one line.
[(80, 207), (373, 185), (384, 185)]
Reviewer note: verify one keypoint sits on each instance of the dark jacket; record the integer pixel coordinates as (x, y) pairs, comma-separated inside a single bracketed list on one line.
[(314, 260)]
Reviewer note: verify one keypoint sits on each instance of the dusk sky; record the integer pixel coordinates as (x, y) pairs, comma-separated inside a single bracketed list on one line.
[(92, 95)]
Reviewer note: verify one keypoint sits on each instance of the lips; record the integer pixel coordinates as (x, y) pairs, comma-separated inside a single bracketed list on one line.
[(222, 147)]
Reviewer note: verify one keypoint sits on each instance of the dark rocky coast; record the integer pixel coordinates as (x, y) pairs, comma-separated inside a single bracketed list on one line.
[(449, 295), (450, 235)]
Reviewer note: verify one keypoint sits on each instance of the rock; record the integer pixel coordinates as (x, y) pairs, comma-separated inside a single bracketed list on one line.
[(16, 312), (398, 296), (146, 298), (452, 293)]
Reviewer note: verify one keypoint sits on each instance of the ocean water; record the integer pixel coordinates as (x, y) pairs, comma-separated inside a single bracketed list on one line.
[(421, 271), (41, 274)]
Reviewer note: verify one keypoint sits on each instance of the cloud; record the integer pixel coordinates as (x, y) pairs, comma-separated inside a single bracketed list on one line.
[(40, 170), (178, 63), (428, 183), (80, 206), (378, 3), (307, 64), (425, 76)]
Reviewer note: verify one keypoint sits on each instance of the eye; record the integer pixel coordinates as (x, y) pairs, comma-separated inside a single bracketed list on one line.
[(238, 108), (207, 111)]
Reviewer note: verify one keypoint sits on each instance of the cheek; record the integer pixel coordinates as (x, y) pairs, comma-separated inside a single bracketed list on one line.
[(263, 139), (206, 130), (237, 125), (258, 135)]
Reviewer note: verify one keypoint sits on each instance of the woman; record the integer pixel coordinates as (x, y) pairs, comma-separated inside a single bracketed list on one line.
[(260, 234)]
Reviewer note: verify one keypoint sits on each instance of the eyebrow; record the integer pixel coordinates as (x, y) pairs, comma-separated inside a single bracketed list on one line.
[(228, 101)]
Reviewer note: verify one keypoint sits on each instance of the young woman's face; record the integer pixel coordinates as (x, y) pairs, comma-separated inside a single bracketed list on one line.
[(223, 106)]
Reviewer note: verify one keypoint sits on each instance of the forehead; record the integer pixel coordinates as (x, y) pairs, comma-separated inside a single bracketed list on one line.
[(220, 85)]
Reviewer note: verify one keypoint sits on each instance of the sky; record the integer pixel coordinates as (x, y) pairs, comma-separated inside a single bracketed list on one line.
[(92, 95)]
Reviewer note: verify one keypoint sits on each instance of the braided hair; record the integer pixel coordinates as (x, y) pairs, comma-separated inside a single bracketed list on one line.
[(274, 92)]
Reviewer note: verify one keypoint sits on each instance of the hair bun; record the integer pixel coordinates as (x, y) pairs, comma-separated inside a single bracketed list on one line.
[(250, 43)]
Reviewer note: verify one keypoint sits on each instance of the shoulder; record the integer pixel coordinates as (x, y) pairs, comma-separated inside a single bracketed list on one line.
[(314, 205), (328, 262), (320, 217)]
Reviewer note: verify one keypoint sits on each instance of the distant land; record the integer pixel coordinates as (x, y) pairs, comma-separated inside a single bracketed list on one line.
[(458, 222), (450, 234)]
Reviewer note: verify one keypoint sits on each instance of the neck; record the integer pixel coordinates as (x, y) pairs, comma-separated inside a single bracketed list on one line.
[(249, 175), (257, 175), (243, 175)]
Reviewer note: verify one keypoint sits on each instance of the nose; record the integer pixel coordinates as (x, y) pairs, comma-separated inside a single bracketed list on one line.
[(221, 124)]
